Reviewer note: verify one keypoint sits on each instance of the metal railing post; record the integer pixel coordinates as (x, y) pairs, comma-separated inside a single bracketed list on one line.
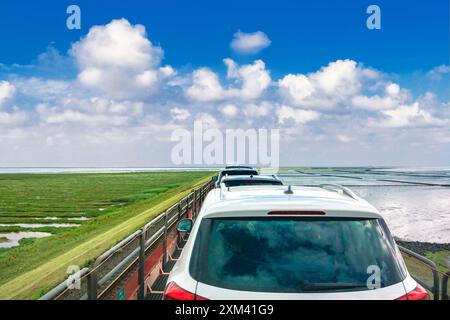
[(195, 203), (92, 285), (444, 294), (164, 261), (141, 276), (180, 215), (180, 211)]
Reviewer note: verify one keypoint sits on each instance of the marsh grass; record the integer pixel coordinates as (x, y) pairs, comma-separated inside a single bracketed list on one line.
[(127, 201)]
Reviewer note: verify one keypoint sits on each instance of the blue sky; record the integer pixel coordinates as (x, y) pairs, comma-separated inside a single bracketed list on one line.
[(307, 34), (410, 51)]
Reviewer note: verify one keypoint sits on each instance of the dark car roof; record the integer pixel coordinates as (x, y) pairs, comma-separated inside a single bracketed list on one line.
[(239, 167), (240, 171)]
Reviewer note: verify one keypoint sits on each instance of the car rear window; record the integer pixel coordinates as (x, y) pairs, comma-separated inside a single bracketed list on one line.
[(236, 183), (294, 255)]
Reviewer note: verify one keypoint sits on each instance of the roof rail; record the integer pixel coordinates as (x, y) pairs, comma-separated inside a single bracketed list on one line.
[(223, 188), (344, 190), (275, 176)]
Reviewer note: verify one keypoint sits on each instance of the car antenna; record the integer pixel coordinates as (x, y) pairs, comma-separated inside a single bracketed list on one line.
[(289, 190)]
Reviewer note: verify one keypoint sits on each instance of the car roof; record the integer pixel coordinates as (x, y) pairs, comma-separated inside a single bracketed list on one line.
[(238, 167), (244, 201), (248, 177)]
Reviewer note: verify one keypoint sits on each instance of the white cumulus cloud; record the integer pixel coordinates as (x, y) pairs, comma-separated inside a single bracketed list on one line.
[(205, 86), (438, 72), (325, 88), (256, 111), (254, 79), (7, 90), (180, 114), (123, 99), (393, 96), (249, 43), (119, 60), (300, 116), (407, 115), (229, 110), (15, 118), (246, 82)]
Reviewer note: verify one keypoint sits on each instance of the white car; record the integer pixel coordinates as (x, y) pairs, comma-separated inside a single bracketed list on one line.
[(283, 242), (235, 172)]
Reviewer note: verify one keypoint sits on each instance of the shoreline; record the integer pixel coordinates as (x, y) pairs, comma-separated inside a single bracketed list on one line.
[(423, 248)]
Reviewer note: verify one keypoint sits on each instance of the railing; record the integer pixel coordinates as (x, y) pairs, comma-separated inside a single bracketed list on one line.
[(444, 292), (439, 279), (128, 269)]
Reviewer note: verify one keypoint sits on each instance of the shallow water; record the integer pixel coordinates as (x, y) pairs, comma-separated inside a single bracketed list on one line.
[(59, 218), (100, 170), (39, 225), (412, 212), (14, 238)]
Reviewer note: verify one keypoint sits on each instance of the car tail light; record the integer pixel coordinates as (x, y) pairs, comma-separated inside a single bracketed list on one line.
[(174, 292), (419, 293)]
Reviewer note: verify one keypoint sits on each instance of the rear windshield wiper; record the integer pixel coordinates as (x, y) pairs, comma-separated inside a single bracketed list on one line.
[(331, 286)]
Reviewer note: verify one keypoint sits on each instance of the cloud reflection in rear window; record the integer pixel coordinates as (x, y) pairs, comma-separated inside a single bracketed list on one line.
[(294, 255)]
